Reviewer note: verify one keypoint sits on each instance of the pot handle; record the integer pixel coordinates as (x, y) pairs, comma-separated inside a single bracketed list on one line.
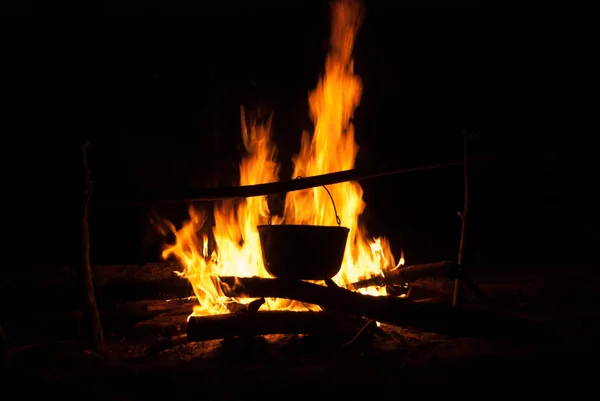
[(337, 217)]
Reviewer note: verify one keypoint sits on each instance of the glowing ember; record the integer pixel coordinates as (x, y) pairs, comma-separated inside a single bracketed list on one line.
[(329, 149)]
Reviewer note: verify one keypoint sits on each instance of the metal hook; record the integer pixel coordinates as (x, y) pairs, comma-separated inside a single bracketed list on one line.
[(337, 217)]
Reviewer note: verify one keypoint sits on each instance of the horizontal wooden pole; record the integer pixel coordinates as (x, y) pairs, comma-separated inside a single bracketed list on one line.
[(248, 191)]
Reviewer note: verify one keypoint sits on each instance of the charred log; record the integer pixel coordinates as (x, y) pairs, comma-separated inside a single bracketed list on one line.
[(204, 328), (408, 274), (252, 307), (398, 311)]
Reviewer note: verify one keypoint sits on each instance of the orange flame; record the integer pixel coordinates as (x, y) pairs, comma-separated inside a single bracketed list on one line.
[(330, 148)]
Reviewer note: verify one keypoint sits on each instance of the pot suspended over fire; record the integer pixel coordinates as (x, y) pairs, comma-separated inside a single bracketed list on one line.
[(303, 252)]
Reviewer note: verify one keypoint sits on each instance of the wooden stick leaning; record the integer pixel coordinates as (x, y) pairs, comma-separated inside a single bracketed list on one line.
[(91, 315), (464, 218)]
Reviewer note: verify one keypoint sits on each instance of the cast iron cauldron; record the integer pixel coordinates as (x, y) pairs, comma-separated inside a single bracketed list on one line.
[(303, 252)]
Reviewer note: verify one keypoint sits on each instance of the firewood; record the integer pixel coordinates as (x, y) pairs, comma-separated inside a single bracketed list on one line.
[(409, 274), (252, 307), (398, 311), (184, 310), (204, 328), (159, 326), (255, 305), (236, 307), (370, 323), (442, 286), (437, 286), (160, 306)]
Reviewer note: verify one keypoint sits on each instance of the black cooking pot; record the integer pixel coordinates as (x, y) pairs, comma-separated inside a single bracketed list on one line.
[(303, 252)]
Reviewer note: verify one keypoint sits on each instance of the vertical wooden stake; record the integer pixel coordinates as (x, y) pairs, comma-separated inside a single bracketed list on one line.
[(3, 350), (91, 316), (464, 220)]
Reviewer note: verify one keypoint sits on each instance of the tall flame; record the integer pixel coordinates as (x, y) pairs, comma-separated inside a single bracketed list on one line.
[(330, 148)]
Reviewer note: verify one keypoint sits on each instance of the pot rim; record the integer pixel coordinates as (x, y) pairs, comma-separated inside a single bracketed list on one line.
[(304, 225)]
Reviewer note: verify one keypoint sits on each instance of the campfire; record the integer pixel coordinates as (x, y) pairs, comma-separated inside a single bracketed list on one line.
[(290, 292), (330, 148), (310, 267)]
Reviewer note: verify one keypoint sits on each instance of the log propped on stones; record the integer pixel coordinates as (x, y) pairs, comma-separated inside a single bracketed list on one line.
[(398, 311), (205, 328)]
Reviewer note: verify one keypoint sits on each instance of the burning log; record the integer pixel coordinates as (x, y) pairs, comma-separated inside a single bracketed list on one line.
[(331, 298), (412, 274), (252, 307), (398, 311), (408, 274), (204, 328)]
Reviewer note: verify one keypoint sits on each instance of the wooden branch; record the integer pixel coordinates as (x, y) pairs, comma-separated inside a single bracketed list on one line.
[(399, 311), (204, 328), (248, 191), (408, 274), (3, 349), (370, 323), (330, 298), (434, 287), (377, 281), (91, 315), (456, 298)]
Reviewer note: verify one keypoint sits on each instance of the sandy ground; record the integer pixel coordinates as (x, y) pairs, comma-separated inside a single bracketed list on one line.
[(150, 358)]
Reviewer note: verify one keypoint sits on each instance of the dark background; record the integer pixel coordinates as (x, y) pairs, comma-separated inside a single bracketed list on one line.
[(157, 86)]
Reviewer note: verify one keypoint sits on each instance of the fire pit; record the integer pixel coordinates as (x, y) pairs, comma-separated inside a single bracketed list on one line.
[(254, 281), (301, 244)]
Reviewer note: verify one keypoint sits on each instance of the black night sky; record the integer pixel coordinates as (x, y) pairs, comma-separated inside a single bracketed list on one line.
[(157, 90)]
